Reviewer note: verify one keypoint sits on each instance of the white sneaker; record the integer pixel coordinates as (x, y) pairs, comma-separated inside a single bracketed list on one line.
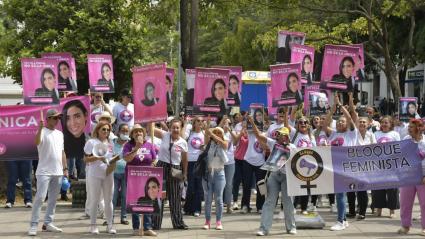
[(319, 201), (28, 205), (312, 208), (254, 191), (196, 214), (100, 215), (261, 233), (32, 231), (52, 228), (111, 230), (8, 205), (304, 212), (235, 206), (345, 224), (333, 208), (244, 210), (94, 230), (280, 216), (293, 231), (338, 226)]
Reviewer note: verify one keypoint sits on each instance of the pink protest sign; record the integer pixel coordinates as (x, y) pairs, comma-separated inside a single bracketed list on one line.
[(234, 97), (286, 84), (304, 55), (149, 92), (101, 73), (39, 81), (67, 72)]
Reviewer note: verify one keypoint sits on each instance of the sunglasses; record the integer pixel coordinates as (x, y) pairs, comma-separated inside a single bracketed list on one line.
[(302, 122), (106, 130), (98, 97)]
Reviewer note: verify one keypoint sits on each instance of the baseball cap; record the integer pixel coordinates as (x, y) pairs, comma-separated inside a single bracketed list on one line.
[(52, 113), (283, 131)]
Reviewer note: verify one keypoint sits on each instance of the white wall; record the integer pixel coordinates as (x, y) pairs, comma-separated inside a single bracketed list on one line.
[(10, 94)]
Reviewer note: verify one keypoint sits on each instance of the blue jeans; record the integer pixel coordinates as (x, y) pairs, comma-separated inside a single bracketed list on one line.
[(45, 184), (120, 182), (277, 183), (147, 221), (229, 172), (19, 169), (341, 199), (214, 186), (194, 192)]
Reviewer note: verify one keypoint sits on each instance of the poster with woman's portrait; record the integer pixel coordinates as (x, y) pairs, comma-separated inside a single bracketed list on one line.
[(234, 96), (277, 159), (408, 108), (360, 73), (286, 84), (67, 72), (39, 81), (149, 92), (270, 109), (284, 41), (169, 83), (317, 102), (339, 68), (256, 111), (101, 73), (211, 88), (304, 55), (144, 189)]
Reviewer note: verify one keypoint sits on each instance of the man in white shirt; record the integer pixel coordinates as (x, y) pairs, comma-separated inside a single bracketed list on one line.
[(50, 171)]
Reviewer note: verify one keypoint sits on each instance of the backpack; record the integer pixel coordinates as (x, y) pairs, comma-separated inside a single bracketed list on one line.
[(200, 168)]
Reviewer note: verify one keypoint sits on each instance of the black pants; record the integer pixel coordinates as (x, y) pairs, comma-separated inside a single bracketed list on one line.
[(302, 200), (174, 194), (247, 177), (237, 179), (362, 200), (386, 198), (194, 194)]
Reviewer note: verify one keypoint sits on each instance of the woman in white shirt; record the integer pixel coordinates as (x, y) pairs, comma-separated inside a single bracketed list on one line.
[(386, 198), (98, 180), (195, 140)]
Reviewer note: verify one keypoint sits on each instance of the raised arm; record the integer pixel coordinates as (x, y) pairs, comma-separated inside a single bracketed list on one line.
[(328, 121), (347, 115), (352, 109), (260, 137)]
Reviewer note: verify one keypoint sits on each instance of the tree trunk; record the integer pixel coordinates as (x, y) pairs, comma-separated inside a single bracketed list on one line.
[(393, 79), (193, 47), (184, 32)]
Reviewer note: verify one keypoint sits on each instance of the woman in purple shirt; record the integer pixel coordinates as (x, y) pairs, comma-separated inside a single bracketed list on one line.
[(140, 152)]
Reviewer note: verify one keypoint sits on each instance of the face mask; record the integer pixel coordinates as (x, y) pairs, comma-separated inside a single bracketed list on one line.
[(124, 137)]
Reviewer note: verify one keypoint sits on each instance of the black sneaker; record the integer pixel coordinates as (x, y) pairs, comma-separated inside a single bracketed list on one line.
[(124, 222), (350, 215), (64, 197), (182, 227), (361, 217)]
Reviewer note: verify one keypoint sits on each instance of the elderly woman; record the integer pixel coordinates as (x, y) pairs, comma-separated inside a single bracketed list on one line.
[(214, 182), (140, 152)]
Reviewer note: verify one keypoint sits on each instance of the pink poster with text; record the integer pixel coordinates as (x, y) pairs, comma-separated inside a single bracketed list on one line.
[(39, 81), (286, 84), (101, 73), (149, 93), (234, 97), (67, 72), (305, 55)]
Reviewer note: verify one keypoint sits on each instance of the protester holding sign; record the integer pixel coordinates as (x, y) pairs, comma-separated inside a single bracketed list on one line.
[(173, 158), (229, 166), (140, 152), (386, 198), (215, 181), (98, 150), (408, 193), (124, 109)]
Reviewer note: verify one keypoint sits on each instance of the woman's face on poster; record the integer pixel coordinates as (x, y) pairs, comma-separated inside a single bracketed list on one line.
[(150, 92), (411, 109), (293, 84), (168, 85), (347, 68), (259, 117), (321, 102), (75, 121), (49, 81), (233, 86), (64, 71), (153, 190), (106, 72), (307, 66), (219, 91), (296, 40)]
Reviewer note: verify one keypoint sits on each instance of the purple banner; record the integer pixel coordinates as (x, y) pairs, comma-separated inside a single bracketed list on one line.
[(149, 91), (101, 73), (144, 189), (67, 72), (40, 81), (286, 84), (19, 125)]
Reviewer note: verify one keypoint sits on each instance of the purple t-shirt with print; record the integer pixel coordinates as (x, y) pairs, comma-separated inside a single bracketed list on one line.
[(145, 155)]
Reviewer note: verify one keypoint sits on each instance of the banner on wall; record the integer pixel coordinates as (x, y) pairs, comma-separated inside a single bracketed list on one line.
[(211, 86), (286, 84), (320, 170), (39, 81), (144, 189), (19, 125), (101, 73), (149, 92), (67, 72)]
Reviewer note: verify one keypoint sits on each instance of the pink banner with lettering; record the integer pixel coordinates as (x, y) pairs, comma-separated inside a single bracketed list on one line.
[(144, 189), (19, 125), (234, 96), (305, 55), (149, 93), (286, 84), (101, 73), (67, 72)]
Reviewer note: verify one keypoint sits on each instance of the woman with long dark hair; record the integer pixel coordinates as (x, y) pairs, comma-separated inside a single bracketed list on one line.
[(218, 95), (66, 83), (48, 86), (292, 88), (106, 80)]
